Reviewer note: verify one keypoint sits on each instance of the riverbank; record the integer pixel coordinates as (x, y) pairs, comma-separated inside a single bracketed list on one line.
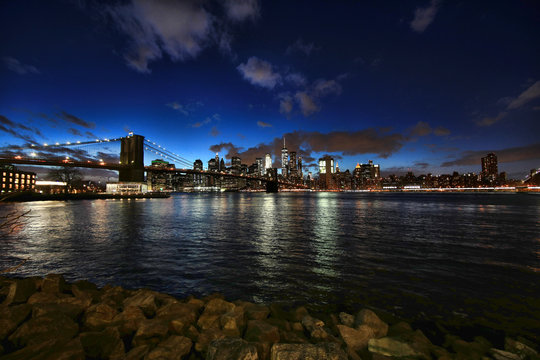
[(32, 196), (47, 318)]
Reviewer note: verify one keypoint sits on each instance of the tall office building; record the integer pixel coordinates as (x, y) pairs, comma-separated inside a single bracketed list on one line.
[(284, 159), (326, 172), (489, 166), (267, 163), (300, 174), (292, 164), (236, 165), (217, 162), (260, 166)]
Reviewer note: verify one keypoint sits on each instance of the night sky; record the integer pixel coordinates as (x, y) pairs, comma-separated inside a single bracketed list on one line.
[(429, 86)]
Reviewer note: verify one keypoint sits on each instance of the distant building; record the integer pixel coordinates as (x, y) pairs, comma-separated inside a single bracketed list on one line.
[(16, 180), (198, 165), (260, 166), (292, 165), (267, 163), (284, 159), (489, 167), (300, 174), (162, 164), (213, 165), (236, 165), (326, 171), (198, 179)]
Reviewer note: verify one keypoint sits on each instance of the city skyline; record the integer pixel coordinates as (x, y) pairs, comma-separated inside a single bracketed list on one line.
[(426, 86)]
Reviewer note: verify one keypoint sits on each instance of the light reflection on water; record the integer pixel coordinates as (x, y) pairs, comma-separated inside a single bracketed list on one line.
[(387, 250)]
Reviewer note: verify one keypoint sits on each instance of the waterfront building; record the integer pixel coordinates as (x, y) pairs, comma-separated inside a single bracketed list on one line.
[(260, 166), (198, 165), (292, 165), (222, 165), (489, 167), (300, 174), (198, 178), (236, 165), (326, 172), (217, 162), (213, 165), (162, 164), (267, 163), (16, 180), (284, 159)]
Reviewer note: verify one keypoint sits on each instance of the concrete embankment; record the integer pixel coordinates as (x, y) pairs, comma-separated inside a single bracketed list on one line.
[(47, 318)]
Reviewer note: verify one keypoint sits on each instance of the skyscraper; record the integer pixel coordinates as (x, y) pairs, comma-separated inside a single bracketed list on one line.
[(260, 166), (267, 163), (292, 164), (489, 166), (326, 172), (300, 174), (284, 159)]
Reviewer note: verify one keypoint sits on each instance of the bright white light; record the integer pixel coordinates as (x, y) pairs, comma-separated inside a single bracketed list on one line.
[(68, 143), (78, 142), (57, 144), (33, 154), (45, 144)]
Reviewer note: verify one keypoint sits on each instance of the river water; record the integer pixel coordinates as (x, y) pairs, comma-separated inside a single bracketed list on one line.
[(470, 257)]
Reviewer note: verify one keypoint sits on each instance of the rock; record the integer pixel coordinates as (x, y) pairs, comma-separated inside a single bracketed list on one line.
[(256, 312), (519, 348), (85, 289), (206, 337), (99, 316), (321, 351), (369, 318), (297, 326), (356, 339), (113, 296), (503, 355), (346, 319), (55, 326), (174, 348), (310, 323), (260, 331), (192, 333), (226, 349), (399, 328), (46, 298), (144, 299), (105, 344), (208, 321), (71, 310), (218, 306), (138, 352), (277, 311), (233, 322), (150, 332), (11, 317), (50, 350), (469, 350), (129, 320), (196, 303), (292, 337), (19, 291), (299, 313), (391, 347), (54, 283)]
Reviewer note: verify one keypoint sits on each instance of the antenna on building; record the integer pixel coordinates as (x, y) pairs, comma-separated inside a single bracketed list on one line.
[(284, 141)]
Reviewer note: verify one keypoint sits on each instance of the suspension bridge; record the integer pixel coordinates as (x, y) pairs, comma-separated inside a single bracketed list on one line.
[(129, 162)]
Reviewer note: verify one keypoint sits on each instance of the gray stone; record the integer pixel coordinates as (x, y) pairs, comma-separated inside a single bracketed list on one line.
[(321, 351), (226, 349), (346, 319), (173, 348), (356, 339), (19, 291), (369, 318), (54, 283), (391, 347)]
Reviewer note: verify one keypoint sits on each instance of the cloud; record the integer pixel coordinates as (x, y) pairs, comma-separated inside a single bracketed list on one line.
[(323, 87), (520, 153), (18, 67), (240, 10), (533, 92), (301, 47), (214, 131), (307, 103), (231, 149), (263, 124), (17, 129), (296, 79), (90, 135), (424, 16), (75, 120), (198, 124), (490, 120), (259, 72), (178, 107), (75, 132), (285, 103), (422, 128), (367, 141), (421, 165)]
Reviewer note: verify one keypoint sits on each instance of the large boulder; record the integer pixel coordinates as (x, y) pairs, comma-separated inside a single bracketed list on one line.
[(54, 283), (144, 299), (54, 326), (356, 339), (138, 352), (256, 311), (369, 318), (218, 306), (315, 327), (129, 320), (498, 354), (206, 337), (52, 349), (73, 310), (151, 331), (11, 317), (346, 319), (233, 322), (520, 348), (321, 351), (99, 316), (173, 348), (85, 289), (19, 291), (226, 349), (261, 331), (388, 346), (105, 344)]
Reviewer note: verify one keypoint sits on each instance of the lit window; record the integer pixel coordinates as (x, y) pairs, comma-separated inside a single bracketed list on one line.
[(4, 179), (4, 174), (4, 186), (16, 181)]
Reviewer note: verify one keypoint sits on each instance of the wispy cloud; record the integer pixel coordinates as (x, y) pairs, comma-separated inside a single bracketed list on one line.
[(241, 10), (259, 72), (214, 131), (423, 16), (18, 130), (76, 120), (300, 46), (18, 67), (533, 92), (263, 124), (513, 154), (422, 128)]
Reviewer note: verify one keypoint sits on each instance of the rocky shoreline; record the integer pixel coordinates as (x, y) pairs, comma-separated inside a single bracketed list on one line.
[(48, 318)]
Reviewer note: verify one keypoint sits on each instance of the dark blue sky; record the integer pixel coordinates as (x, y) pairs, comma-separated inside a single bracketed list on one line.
[(426, 85)]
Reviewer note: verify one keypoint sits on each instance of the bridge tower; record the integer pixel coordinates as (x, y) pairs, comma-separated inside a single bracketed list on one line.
[(132, 155)]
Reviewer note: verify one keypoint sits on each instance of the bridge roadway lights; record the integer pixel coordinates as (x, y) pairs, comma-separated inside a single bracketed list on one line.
[(272, 186), (132, 155)]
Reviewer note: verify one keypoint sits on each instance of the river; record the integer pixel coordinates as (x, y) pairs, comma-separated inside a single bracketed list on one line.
[(470, 257)]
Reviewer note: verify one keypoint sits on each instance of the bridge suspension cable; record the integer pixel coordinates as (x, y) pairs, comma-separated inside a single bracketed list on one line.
[(158, 149)]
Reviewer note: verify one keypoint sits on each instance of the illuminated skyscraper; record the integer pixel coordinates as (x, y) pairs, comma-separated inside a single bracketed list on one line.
[(489, 166), (284, 159), (260, 166), (292, 164), (267, 163), (300, 174), (326, 172)]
